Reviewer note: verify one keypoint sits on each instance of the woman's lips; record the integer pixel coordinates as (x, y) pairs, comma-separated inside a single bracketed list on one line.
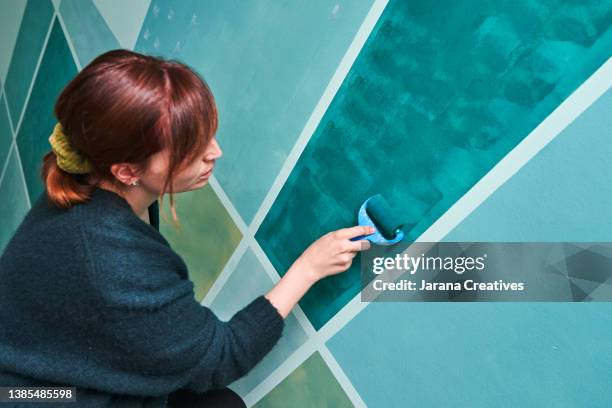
[(205, 175)]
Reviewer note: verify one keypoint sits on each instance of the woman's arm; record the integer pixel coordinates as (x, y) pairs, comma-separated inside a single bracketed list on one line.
[(150, 332), (331, 254)]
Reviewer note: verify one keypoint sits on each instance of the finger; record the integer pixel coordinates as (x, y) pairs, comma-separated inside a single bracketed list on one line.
[(356, 246), (351, 232)]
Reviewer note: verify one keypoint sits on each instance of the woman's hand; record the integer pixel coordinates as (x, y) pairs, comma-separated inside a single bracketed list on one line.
[(333, 252), (329, 255)]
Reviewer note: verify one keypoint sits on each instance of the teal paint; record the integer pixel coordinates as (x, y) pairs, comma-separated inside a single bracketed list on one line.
[(247, 281), (87, 29), (30, 40), (267, 62), (56, 70), (431, 104)]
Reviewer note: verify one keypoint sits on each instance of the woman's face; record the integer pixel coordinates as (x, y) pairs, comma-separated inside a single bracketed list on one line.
[(191, 177)]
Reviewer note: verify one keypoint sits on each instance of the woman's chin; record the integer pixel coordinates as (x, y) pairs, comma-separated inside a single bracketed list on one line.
[(195, 186), (199, 184)]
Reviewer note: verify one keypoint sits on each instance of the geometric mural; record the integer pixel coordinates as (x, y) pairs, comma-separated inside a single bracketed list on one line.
[(433, 98)]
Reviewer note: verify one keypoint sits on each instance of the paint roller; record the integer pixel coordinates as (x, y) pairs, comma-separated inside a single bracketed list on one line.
[(376, 212)]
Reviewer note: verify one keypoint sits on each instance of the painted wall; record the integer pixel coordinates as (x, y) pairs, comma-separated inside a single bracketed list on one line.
[(324, 103)]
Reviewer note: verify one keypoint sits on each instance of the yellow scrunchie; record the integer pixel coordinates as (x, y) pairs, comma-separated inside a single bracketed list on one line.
[(68, 159)]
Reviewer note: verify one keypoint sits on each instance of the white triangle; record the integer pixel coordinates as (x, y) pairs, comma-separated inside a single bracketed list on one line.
[(10, 20), (56, 3), (124, 18)]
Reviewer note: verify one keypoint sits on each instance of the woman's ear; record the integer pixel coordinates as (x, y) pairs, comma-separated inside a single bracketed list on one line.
[(125, 173)]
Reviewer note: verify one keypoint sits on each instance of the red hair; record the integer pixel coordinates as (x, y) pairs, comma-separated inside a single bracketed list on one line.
[(125, 107)]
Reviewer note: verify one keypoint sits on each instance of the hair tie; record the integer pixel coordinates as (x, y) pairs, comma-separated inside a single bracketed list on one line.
[(68, 159)]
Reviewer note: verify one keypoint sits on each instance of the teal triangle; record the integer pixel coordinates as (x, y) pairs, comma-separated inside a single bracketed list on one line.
[(56, 70), (29, 45)]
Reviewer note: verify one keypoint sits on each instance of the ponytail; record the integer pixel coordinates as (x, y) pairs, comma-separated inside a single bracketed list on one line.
[(63, 189)]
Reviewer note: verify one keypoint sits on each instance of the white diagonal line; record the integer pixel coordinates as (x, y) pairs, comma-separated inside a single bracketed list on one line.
[(340, 375), (5, 164), (60, 18), (227, 203), (248, 241), (22, 174), (279, 374), (226, 272)]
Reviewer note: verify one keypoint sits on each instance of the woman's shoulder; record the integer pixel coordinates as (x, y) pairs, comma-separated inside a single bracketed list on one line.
[(103, 213), (104, 231), (95, 251), (130, 264), (115, 234), (124, 257)]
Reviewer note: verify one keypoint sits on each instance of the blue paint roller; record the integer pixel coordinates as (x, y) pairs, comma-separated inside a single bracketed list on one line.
[(376, 212)]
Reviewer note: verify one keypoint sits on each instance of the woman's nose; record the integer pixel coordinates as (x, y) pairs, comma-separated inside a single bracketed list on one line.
[(214, 150)]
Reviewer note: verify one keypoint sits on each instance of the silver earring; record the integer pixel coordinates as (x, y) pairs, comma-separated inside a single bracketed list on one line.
[(135, 183)]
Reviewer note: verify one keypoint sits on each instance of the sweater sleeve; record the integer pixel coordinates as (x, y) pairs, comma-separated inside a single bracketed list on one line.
[(153, 332)]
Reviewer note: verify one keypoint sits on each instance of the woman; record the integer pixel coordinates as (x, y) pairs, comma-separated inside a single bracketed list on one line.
[(92, 295)]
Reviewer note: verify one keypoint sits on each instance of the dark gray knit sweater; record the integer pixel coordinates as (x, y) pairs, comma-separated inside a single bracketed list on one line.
[(94, 297)]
